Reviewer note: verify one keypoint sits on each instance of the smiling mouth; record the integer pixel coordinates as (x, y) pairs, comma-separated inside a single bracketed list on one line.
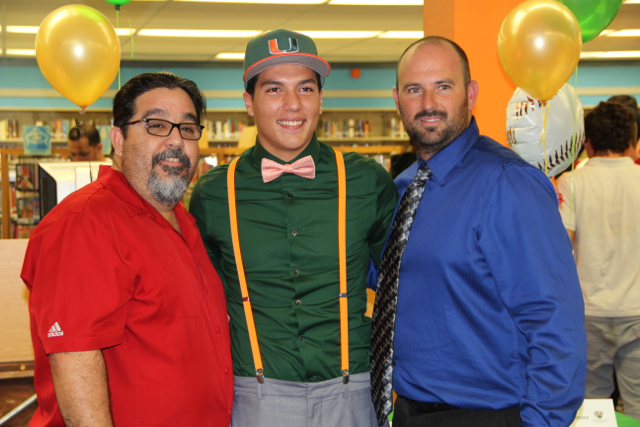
[(173, 159), (290, 122)]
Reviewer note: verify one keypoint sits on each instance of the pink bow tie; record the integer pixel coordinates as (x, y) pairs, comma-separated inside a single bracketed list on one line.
[(303, 167)]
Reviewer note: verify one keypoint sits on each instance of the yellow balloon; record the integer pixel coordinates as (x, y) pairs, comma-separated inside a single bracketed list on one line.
[(78, 53), (539, 46)]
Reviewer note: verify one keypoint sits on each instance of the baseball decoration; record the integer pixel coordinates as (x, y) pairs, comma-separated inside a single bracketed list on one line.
[(564, 130)]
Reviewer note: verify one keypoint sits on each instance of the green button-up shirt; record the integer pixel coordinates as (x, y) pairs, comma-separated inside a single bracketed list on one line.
[(288, 231)]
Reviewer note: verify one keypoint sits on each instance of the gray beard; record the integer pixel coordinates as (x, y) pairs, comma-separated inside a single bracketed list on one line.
[(169, 191)]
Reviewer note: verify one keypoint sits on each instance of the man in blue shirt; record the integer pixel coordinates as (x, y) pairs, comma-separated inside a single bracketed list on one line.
[(489, 329)]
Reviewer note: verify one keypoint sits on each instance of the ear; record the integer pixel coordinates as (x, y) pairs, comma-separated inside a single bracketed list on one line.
[(472, 94), (117, 140), (248, 103), (99, 147), (589, 148), (395, 99)]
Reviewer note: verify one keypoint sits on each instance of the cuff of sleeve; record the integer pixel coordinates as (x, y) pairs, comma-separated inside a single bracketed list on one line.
[(61, 344)]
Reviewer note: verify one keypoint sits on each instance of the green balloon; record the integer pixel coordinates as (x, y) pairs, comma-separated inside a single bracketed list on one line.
[(593, 15), (118, 2)]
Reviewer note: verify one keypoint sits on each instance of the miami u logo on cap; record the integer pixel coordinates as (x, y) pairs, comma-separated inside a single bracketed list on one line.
[(274, 50)]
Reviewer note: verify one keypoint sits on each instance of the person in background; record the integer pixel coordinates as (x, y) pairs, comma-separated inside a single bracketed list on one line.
[(489, 327), (309, 348), (128, 319), (400, 162), (602, 224), (84, 144), (632, 104)]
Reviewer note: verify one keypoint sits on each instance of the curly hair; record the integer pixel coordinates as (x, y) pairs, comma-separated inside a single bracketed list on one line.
[(610, 127)]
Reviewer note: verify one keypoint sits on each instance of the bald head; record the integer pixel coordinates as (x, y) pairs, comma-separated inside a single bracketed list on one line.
[(464, 61)]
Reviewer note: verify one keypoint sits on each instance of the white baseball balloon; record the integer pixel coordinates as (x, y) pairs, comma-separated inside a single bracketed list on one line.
[(524, 127)]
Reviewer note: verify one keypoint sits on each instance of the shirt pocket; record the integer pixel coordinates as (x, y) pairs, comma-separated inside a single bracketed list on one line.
[(181, 291)]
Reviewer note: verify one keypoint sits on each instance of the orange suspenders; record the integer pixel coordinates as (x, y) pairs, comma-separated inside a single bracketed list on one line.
[(342, 252)]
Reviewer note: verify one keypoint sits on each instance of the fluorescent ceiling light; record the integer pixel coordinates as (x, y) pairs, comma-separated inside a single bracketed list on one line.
[(21, 52), (259, 1), (631, 1), (230, 55), (26, 29), (611, 54), (379, 2), (625, 33), (340, 34), (402, 35), (22, 29), (125, 31), (605, 33), (199, 33)]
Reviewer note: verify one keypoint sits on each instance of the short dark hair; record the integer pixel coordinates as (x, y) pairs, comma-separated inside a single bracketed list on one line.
[(466, 71), (631, 103), (251, 84), (610, 127), (87, 131), (626, 100), (125, 100)]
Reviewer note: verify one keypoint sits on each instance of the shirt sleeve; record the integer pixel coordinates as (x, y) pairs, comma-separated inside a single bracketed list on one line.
[(529, 256), (386, 200), (79, 284), (198, 208), (567, 201)]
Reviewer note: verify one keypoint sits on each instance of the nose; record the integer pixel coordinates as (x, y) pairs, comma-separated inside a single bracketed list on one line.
[(174, 139), (429, 102), (292, 101)]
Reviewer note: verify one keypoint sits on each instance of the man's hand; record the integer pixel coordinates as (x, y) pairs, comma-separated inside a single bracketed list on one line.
[(82, 391)]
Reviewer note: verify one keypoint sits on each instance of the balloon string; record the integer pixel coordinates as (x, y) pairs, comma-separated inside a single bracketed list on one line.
[(573, 145), (543, 137), (130, 31), (118, 26)]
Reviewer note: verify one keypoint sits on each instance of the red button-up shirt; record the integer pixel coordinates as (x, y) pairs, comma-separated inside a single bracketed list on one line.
[(107, 271)]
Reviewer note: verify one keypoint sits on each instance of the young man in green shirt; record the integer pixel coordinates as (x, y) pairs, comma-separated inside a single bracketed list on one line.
[(291, 323)]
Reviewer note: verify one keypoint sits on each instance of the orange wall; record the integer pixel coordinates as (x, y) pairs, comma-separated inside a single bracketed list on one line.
[(474, 25)]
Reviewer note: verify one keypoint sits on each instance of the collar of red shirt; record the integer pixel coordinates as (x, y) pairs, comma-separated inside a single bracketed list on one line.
[(133, 202)]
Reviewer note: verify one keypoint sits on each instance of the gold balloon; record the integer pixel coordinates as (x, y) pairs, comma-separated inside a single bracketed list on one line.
[(539, 46), (78, 53)]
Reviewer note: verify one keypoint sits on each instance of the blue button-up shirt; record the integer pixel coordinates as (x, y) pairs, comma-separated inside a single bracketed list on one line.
[(490, 312)]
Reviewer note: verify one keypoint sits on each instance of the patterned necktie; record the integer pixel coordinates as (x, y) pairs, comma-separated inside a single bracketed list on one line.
[(384, 310), (303, 167)]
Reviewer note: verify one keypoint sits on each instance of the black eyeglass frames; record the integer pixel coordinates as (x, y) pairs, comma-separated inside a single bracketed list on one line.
[(159, 127)]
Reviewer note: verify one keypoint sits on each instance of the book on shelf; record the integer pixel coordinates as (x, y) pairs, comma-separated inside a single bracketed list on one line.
[(27, 176), (223, 129), (350, 128), (8, 129)]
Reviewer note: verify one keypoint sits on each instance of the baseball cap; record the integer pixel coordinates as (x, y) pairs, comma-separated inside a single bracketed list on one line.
[(282, 47)]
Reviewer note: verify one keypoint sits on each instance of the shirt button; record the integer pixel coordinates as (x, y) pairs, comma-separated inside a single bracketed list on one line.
[(218, 329), (226, 370), (290, 195), (297, 273), (311, 378), (294, 233), (298, 302), (303, 339)]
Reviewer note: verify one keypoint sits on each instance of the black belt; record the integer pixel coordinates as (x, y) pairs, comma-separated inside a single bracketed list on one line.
[(428, 408)]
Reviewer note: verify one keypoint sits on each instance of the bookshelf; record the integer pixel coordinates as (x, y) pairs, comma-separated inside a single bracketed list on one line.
[(373, 132)]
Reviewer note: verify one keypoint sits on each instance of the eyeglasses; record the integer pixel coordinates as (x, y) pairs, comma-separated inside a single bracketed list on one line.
[(159, 127)]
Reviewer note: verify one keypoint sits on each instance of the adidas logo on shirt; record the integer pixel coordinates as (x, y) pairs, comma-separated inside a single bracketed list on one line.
[(55, 331)]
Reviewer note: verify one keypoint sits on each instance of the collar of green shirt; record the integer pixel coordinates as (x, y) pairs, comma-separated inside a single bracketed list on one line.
[(313, 150)]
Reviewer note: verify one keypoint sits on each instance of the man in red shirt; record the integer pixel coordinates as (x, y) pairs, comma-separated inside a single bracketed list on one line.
[(128, 318)]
